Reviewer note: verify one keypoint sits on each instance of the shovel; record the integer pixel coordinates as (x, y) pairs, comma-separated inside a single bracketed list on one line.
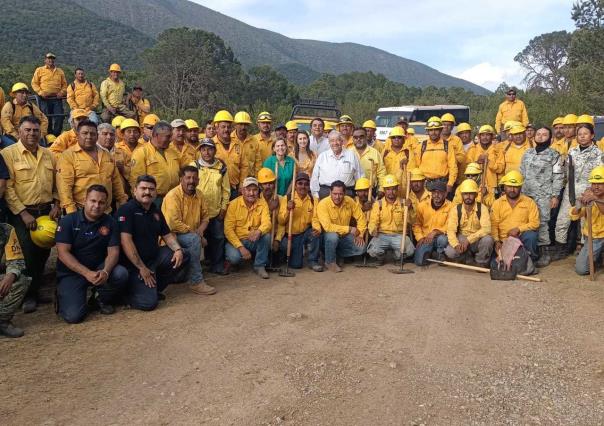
[(366, 235), (401, 270), (285, 272), (272, 268)]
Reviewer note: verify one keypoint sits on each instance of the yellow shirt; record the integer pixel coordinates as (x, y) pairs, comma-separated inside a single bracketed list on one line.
[(251, 154), (2, 98), (377, 144), (123, 157), (112, 93), (234, 159), (32, 177), (49, 81), (65, 140), (307, 165), (83, 95), (337, 218), (495, 162), (241, 219), (77, 171), (372, 164), (488, 200), (184, 213), (386, 217), (214, 186), (524, 216), (187, 153), (470, 226), (143, 107), (511, 111), (148, 160), (597, 220), (415, 202), (302, 216), (434, 162), (12, 113), (460, 155), (511, 155), (427, 219), (265, 146)]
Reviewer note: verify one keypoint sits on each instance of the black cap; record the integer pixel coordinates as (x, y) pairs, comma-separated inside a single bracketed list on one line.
[(302, 176), (280, 126), (137, 86), (438, 186), (207, 142)]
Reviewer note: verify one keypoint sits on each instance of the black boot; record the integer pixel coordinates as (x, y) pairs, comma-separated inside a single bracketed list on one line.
[(558, 252), (9, 330), (544, 258)]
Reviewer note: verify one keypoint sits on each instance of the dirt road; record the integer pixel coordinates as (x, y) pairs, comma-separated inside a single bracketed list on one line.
[(362, 347)]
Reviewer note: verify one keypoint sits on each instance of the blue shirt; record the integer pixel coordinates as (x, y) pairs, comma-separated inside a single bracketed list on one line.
[(286, 172)]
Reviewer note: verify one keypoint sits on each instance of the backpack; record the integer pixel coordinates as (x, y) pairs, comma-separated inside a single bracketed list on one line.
[(478, 212), (28, 105), (522, 264), (425, 146)]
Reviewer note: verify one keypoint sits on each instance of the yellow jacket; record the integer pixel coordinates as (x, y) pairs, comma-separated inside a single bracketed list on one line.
[(83, 95), (32, 178), (187, 154), (147, 160), (460, 155), (77, 171), (510, 156), (597, 220), (2, 98), (434, 162), (184, 213), (378, 144), (214, 186), (65, 140), (47, 81), (234, 159), (427, 219), (495, 162), (470, 226), (112, 93), (524, 216), (376, 173), (143, 107), (304, 210), (241, 219), (251, 153), (415, 202), (511, 111), (337, 218), (488, 200), (123, 157), (265, 146), (12, 113), (409, 143), (386, 217)]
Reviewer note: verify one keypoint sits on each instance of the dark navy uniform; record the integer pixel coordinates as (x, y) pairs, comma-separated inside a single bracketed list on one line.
[(146, 227), (89, 242)]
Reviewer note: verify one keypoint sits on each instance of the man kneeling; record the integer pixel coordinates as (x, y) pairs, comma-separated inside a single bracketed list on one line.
[(469, 228), (430, 225), (88, 246)]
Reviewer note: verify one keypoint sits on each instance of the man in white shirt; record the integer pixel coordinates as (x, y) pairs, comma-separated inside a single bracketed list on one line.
[(335, 164), (318, 140)]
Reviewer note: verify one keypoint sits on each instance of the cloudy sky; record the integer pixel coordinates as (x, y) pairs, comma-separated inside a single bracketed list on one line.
[(474, 40)]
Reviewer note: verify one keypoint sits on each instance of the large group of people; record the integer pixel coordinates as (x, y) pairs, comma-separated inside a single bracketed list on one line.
[(134, 203)]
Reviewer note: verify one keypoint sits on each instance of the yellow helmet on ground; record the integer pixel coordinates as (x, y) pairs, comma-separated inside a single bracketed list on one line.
[(150, 120), (473, 169), (509, 124), (117, 121), (115, 67), (291, 125), (362, 183), (129, 122), (513, 178), (242, 117), (487, 128), (397, 131), (448, 117), (191, 124), (596, 175), (585, 119), (18, 87), (463, 127), (416, 174), (516, 130), (223, 115), (569, 120), (345, 119), (389, 181), (266, 175), (369, 124), (468, 185), (557, 121), (434, 123), (265, 117), (44, 234)]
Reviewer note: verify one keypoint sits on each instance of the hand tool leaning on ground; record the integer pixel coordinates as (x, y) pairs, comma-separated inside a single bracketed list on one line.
[(479, 269), (401, 270), (285, 272), (271, 267), (483, 179), (367, 214), (590, 243)]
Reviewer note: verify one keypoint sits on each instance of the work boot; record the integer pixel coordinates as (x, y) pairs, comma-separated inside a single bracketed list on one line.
[(203, 289), (544, 258), (559, 252), (105, 308), (9, 330), (317, 268), (379, 260), (333, 267), (261, 272), (29, 305)]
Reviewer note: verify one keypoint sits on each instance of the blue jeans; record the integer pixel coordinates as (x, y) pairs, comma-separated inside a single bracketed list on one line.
[(53, 109), (296, 259), (259, 250), (582, 261), (383, 242), (191, 242), (529, 241), (438, 244), (342, 246), (145, 298), (72, 288), (215, 248)]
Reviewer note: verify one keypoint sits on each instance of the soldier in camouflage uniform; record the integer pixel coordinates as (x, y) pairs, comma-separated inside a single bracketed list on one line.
[(13, 285), (543, 172), (581, 160)]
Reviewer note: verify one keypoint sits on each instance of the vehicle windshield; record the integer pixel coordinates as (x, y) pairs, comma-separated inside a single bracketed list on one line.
[(390, 118)]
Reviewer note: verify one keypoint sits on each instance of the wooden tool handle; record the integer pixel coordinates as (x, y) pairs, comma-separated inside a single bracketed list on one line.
[(479, 269)]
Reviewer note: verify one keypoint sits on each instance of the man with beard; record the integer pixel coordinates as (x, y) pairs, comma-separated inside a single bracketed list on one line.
[(430, 225), (264, 137), (186, 152), (229, 150), (558, 137), (192, 133), (346, 126), (485, 153), (370, 159), (251, 149)]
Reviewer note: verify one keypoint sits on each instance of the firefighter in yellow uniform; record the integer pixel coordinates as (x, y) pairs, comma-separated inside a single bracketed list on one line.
[(464, 132), (485, 195), (192, 133), (69, 138), (370, 127), (229, 150), (396, 157), (124, 149), (290, 137), (370, 159), (50, 84), (82, 94), (418, 193), (13, 111), (558, 135), (346, 126), (511, 152), (186, 152), (485, 152), (264, 138), (361, 188), (430, 227), (511, 109), (448, 122), (251, 149)]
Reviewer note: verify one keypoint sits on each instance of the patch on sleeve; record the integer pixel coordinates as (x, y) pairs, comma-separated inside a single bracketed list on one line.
[(121, 219)]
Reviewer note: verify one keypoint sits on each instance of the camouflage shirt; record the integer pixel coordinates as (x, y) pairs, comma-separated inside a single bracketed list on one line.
[(543, 173), (9, 244)]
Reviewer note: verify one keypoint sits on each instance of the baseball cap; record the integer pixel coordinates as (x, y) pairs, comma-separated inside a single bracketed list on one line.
[(178, 123), (207, 142), (250, 181), (302, 176)]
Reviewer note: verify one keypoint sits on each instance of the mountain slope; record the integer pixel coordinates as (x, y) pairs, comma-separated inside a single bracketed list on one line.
[(297, 59)]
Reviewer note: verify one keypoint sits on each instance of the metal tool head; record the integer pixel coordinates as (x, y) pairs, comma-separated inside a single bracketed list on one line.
[(401, 271)]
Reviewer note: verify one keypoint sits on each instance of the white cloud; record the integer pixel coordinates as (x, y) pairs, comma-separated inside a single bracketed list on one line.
[(490, 76)]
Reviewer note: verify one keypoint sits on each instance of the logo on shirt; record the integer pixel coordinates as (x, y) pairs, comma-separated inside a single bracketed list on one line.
[(104, 231), (59, 228), (121, 219)]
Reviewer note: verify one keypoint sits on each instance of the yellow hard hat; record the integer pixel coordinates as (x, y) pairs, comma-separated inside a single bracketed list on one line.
[(291, 125), (44, 234), (397, 131), (369, 124), (17, 87), (487, 128), (362, 183), (242, 117), (129, 122), (448, 117), (328, 126), (345, 119), (463, 127), (50, 138), (569, 120), (265, 117), (410, 131), (115, 67), (266, 175), (434, 123), (223, 115), (117, 121), (585, 119), (513, 178), (596, 175), (468, 185), (473, 169), (150, 120), (557, 121), (78, 113), (416, 174), (517, 129), (191, 124), (509, 124), (389, 181)]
